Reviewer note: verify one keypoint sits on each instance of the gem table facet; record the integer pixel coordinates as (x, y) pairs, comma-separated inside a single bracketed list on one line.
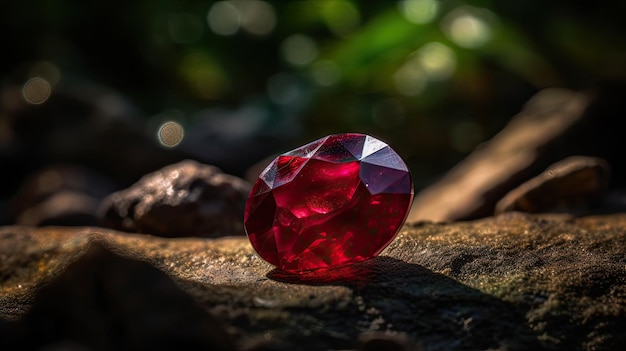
[(338, 200)]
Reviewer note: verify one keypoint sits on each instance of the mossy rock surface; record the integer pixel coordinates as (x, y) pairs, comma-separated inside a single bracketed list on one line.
[(514, 282)]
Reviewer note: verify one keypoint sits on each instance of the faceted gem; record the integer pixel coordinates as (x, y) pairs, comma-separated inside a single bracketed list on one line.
[(338, 200)]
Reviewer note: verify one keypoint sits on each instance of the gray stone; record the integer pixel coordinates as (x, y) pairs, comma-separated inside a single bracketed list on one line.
[(511, 282), (183, 199)]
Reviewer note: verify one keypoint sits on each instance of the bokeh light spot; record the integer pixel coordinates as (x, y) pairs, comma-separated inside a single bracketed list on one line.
[(467, 27), (325, 72), (299, 50), (256, 17), (437, 61), (432, 62), (419, 11), (224, 18), (170, 134), (203, 75), (36, 91), (409, 79), (340, 16)]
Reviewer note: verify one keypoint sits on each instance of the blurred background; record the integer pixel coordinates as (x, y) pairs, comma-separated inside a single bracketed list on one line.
[(116, 89)]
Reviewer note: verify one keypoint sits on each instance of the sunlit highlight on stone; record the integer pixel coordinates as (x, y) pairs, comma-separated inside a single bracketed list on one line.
[(299, 50), (467, 27), (419, 11), (337, 200), (36, 91), (171, 134)]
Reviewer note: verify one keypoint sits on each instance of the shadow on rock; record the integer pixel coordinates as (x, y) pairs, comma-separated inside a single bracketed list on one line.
[(106, 302), (435, 310)]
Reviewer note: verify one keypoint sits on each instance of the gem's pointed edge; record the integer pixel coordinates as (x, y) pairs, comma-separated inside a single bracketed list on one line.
[(334, 150), (269, 173), (372, 145), (308, 150), (287, 172), (386, 157), (354, 144)]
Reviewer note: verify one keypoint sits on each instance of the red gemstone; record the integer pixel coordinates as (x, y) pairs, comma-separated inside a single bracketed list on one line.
[(338, 200)]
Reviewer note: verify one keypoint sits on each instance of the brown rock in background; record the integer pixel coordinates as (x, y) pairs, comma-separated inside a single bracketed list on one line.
[(570, 185), (472, 187), (60, 195), (183, 199)]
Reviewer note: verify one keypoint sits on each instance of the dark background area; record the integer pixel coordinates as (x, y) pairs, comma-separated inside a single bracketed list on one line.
[(247, 79)]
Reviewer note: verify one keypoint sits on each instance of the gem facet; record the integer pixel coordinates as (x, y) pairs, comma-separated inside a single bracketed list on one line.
[(338, 200)]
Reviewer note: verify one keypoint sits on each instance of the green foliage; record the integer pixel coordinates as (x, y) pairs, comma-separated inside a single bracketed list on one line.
[(435, 78)]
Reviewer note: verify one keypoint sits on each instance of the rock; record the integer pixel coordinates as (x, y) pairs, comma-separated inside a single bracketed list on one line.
[(64, 208), (554, 124), (183, 199), (374, 341), (60, 195), (571, 185), (472, 188), (515, 282), (106, 302)]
